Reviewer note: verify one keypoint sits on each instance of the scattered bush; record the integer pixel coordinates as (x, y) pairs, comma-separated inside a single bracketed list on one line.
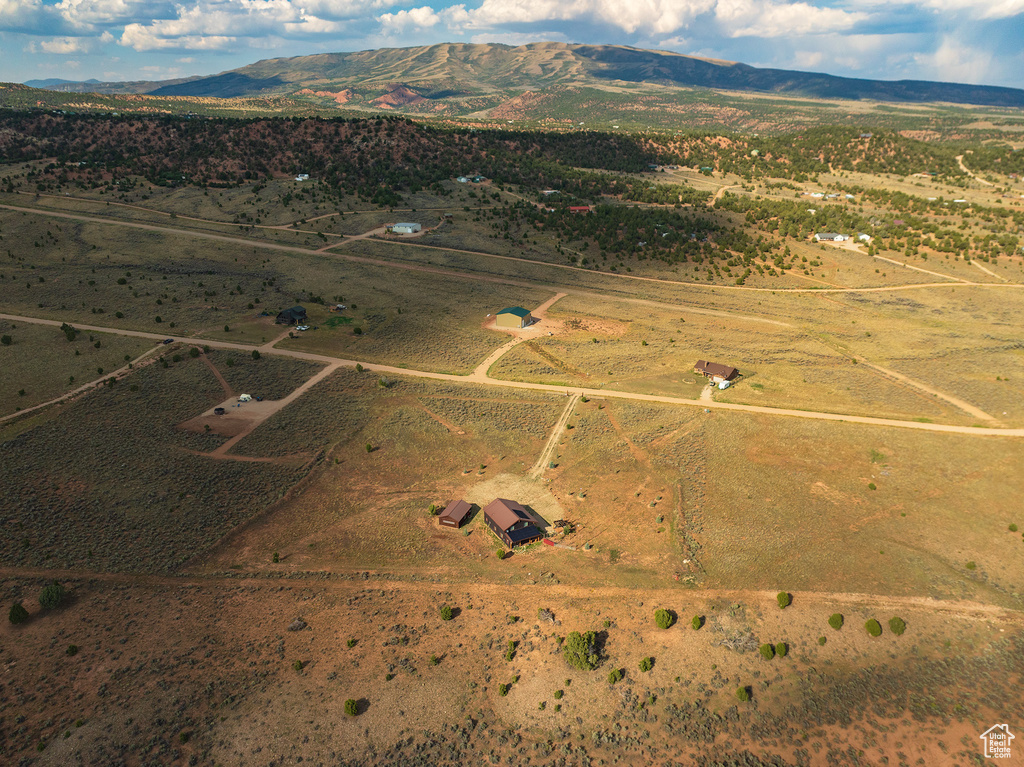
[(255, 354), (351, 643), (743, 693), (369, 448), (697, 622), (297, 665), (767, 651), (871, 486), (785, 599), (51, 596), (434, 660), (559, 694), (897, 625), (971, 565), (500, 553), (646, 664), (873, 627), (542, 705), (1013, 527), (503, 690), (18, 613), (835, 620), (822, 641), (615, 675), (663, 618), (6, 340), (510, 651), (781, 649), (72, 649), (446, 613), (275, 558), (580, 650), (351, 707)]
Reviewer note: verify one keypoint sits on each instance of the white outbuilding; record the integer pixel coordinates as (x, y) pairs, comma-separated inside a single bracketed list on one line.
[(406, 228)]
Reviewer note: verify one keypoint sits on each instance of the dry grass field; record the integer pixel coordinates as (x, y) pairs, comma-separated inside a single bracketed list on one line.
[(188, 556)]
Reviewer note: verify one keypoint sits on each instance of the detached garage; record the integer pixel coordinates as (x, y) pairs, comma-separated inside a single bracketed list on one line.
[(454, 514), (514, 317)]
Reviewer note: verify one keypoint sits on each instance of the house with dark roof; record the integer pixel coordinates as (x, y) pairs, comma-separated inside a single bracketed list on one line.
[(714, 371), (291, 316), (454, 514), (512, 523), (514, 317)]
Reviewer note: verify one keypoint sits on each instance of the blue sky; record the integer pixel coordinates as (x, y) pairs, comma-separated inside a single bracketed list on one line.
[(973, 41)]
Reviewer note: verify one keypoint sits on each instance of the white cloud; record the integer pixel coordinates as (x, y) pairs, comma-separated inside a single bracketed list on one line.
[(657, 16), (411, 20), (66, 46), (954, 62), (761, 18)]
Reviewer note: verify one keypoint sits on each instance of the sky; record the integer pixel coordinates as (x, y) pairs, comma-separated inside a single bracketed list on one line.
[(968, 41)]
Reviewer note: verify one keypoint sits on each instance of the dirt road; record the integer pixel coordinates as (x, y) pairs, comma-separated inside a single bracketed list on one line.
[(592, 393), (956, 282), (960, 162), (556, 434)]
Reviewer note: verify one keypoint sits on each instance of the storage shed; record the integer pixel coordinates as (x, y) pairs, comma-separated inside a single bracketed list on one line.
[(514, 317), (454, 514), (513, 524)]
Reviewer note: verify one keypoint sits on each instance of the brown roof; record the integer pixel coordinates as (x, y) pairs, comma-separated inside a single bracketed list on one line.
[(455, 510), (715, 369), (506, 513)]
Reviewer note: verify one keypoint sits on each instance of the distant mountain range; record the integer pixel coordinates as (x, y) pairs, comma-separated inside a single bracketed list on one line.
[(459, 78)]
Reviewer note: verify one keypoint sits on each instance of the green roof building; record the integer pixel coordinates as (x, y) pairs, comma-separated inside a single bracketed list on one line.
[(514, 317)]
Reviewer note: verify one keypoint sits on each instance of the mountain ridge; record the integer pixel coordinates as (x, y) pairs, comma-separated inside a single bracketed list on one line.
[(467, 69)]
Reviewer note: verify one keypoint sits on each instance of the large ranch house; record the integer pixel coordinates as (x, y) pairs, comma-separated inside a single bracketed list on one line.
[(512, 523), (715, 372)]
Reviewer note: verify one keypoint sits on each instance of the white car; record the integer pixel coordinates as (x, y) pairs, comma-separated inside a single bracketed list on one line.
[(302, 327)]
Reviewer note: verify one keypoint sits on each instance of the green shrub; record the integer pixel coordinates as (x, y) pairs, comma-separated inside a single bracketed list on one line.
[(388, 677), (369, 448), (873, 627), (607, 623), (559, 694), (871, 486), (297, 665), (663, 618), (785, 599), (434, 660), (542, 705), (255, 354), (1013, 527), (615, 675), (51, 596), (72, 649), (767, 651), (743, 693), (510, 651), (6, 340), (351, 643), (193, 352), (822, 641), (503, 690), (580, 650), (697, 622), (971, 565), (500, 553), (781, 649), (18, 613), (351, 707), (646, 664), (275, 558), (897, 625), (446, 613), (835, 620)]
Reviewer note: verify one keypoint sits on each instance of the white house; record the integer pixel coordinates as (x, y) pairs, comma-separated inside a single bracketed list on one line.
[(405, 228), (302, 177), (830, 237)]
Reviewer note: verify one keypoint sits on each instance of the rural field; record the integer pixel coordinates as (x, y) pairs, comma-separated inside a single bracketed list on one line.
[(835, 535)]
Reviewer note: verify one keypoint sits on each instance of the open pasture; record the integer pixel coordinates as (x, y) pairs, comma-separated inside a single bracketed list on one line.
[(108, 483), (41, 364)]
